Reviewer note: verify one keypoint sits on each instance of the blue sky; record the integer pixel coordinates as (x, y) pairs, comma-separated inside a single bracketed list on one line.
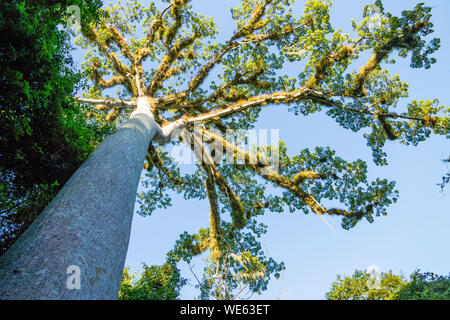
[(414, 234)]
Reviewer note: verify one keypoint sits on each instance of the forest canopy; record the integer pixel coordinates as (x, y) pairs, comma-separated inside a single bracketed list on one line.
[(44, 135)]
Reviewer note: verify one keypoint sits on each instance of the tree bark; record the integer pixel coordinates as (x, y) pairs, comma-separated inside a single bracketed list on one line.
[(87, 225)]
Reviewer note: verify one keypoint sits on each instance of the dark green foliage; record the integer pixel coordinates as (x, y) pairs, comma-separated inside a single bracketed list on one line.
[(242, 267), (425, 286), (156, 283), (44, 136)]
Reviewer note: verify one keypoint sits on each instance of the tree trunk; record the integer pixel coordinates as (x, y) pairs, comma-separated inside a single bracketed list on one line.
[(87, 225)]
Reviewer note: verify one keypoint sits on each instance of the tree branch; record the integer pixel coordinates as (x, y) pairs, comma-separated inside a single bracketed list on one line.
[(237, 210), (119, 39), (260, 166), (167, 61), (118, 103), (92, 36), (276, 97)]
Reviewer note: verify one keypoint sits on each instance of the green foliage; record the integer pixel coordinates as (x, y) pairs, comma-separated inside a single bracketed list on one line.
[(156, 195), (425, 286), (44, 135), (420, 286), (156, 283), (358, 287), (241, 268), (340, 180)]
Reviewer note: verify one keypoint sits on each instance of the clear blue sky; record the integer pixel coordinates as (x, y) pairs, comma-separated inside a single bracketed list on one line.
[(414, 234)]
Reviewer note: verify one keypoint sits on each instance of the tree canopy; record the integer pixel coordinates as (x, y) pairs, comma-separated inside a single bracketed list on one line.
[(169, 53), (361, 286), (425, 286), (419, 286), (155, 283)]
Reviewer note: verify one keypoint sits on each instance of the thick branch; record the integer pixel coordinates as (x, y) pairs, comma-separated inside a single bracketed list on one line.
[(307, 175), (231, 45), (378, 55), (276, 97), (119, 39), (326, 100), (214, 215), (254, 23), (167, 61), (154, 158), (260, 166), (237, 210), (118, 103), (92, 35), (179, 99), (325, 63)]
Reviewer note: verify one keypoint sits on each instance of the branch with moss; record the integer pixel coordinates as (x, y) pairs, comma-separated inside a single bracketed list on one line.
[(237, 210), (109, 102), (260, 165)]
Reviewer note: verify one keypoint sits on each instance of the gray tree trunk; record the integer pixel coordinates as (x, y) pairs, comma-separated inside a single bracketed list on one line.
[(87, 225)]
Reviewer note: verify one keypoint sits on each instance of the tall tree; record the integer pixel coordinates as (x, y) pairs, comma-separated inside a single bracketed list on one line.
[(166, 80)]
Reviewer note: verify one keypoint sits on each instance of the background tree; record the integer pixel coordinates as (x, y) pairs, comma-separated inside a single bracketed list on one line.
[(361, 286), (44, 136), (425, 286), (419, 286), (167, 68), (155, 283)]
